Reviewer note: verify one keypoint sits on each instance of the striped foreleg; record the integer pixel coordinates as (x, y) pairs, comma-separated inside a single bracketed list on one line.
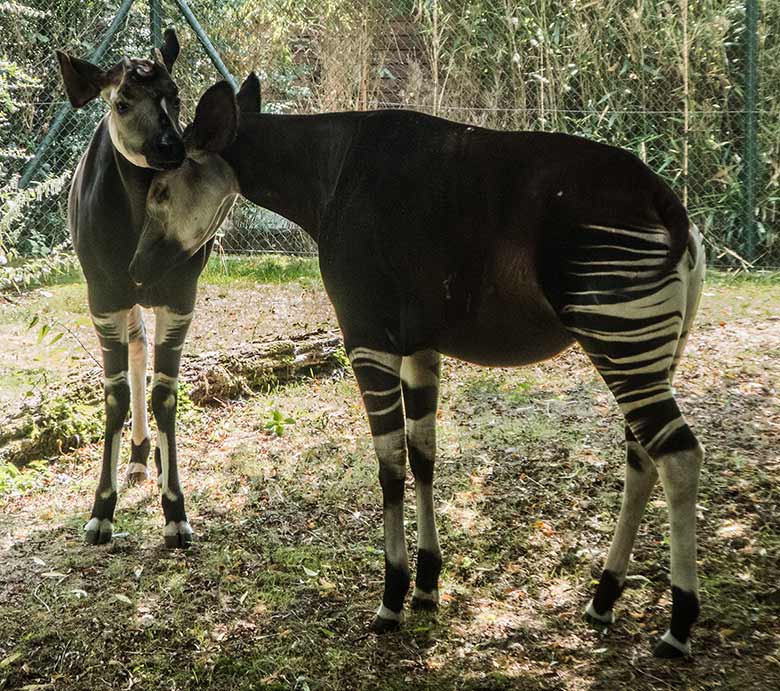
[(112, 333), (420, 382), (170, 333), (378, 376), (139, 445)]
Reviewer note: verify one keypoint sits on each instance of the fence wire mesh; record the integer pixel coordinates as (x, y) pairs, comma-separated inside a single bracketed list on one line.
[(665, 79)]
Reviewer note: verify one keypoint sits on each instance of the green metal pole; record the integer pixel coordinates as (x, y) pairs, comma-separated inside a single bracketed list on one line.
[(155, 23), (206, 43), (750, 169), (62, 113)]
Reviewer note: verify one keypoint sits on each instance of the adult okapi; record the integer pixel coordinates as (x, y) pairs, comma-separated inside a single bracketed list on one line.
[(499, 248), (138, 136)]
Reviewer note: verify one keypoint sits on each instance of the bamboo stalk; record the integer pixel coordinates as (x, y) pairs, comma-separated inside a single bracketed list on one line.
[(686, 98)]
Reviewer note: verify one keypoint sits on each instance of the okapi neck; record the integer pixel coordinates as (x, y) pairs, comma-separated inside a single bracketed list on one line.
[(290, 164)]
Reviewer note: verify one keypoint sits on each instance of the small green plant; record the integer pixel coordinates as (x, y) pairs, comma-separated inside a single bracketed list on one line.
[(276, 422), (16, 481), (45, 329)]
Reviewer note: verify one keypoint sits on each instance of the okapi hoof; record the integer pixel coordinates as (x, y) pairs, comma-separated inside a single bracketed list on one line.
[(137, 474), (596, 620), (669, 648), (98, 531), (425, 602), (178, 535), (137, 471), (381, 625), (386, 620)]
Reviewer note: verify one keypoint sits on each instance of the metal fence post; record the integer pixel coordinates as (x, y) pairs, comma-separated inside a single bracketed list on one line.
[(62, 113), (750, 163), (206, 43), (155, 23)]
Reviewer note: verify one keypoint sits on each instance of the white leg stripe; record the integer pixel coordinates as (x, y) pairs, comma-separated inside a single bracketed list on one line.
[(161, 379), (389, 409), (166, 321), (137, 355), (116, 442), (387, 392), (391, 447), (433, 596), (162, 442), (606, 618), (114, 379), (384, 613), (684, 648), (112, 326)]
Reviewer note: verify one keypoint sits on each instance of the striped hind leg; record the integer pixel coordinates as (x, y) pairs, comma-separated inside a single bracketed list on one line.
[(378, 375), (634, 337), (662, 433), (640, 479), (137, 354), (420, 384)]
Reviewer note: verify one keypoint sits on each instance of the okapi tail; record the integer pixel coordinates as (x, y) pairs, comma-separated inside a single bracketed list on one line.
[(675, 218)]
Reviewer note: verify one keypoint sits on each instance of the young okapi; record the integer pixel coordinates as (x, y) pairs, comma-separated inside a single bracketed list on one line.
[(499, 248), (107, 204)]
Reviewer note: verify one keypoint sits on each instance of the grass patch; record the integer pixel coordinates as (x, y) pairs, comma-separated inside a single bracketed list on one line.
[(267, 268), (721, 277)]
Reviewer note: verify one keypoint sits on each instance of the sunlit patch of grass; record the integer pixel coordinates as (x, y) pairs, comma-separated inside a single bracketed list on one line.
[(265, 268), (740, 278)]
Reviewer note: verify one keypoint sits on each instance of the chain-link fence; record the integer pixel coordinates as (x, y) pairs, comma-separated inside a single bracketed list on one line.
[(669, 80)]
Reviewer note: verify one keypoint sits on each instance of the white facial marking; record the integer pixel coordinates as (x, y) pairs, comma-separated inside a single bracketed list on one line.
[(136, 158)]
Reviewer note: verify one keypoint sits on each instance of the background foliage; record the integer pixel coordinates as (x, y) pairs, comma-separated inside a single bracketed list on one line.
[(662, 78)]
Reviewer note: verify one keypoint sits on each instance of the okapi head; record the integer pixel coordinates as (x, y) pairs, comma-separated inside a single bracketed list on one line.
[(186, 206), (143, 122)]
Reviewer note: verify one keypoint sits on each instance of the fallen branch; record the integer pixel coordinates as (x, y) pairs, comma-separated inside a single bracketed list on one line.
[(234, 372), (70, 415)]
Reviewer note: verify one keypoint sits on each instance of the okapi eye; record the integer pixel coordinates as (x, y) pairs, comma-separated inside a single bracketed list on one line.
[(122, 107), (176, 102)]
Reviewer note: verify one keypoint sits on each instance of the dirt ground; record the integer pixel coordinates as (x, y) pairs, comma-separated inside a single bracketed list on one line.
[(287, 568)]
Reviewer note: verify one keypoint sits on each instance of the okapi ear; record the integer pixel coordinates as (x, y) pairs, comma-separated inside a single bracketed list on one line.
[(169, 49), (83, 81), (248, 96), (216, 119)]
